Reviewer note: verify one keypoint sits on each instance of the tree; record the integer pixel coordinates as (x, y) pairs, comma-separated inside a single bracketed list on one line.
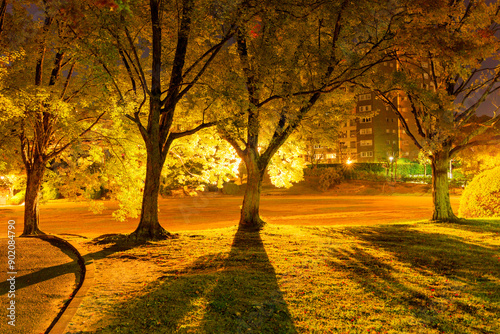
[(46, 116), (284, 61), (3, 10), (200, 160), (165, 48), (445, 68)]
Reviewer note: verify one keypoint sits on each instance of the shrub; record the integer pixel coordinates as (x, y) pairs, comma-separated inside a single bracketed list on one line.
[(329, 178), (323, 178), (457, 182), (93, 193), (17, 198), (481, 198), (417, 179), (49, 193), (230, 188), (367, 176)]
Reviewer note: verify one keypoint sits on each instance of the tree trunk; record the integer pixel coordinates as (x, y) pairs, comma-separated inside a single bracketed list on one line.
[(250, 219), (149, 226), (34, 174), (440, 191)]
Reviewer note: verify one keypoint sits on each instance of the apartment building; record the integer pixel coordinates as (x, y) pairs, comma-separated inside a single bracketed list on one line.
[(347, 148), (375, 133)]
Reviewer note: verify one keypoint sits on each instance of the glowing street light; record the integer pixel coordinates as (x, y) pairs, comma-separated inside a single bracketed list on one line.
[(391, 158), (349, 161)]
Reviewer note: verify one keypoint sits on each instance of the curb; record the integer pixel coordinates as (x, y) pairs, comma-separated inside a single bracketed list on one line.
[(61, 321)]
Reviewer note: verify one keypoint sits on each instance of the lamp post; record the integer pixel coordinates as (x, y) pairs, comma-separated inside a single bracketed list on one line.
[(391, 158)]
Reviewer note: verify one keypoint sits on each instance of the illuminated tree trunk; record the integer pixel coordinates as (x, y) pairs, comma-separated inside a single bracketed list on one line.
[(157, 134), (34, 174), (35, 158), (440, 191), (250, 219), (149, 226)]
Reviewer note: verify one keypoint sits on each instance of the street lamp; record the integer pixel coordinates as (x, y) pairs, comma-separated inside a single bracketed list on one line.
[(391, 158)]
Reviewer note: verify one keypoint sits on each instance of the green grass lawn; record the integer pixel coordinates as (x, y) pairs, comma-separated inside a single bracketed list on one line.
[(407, 278)]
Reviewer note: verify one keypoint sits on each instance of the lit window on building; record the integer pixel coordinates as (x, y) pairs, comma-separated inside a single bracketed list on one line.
[(366, 131), (387, 130), (364, 97), (365, 142), (367, 154)]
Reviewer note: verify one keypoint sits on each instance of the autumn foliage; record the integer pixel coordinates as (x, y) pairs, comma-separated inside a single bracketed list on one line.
[(481, 197)]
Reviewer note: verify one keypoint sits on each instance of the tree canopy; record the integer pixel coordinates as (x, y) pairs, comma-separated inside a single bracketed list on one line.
[(155, 87), (447, 67)]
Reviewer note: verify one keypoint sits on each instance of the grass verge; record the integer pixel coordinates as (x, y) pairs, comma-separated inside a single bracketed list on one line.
[(406, 278)]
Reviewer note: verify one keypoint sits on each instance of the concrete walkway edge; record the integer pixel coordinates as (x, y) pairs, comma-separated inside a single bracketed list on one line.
[(58, 326)]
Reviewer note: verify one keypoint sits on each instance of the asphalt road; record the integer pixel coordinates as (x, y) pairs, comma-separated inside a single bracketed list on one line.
[(206, 212)]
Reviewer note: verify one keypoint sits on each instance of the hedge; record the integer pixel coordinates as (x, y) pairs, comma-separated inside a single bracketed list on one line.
[(481, 198)]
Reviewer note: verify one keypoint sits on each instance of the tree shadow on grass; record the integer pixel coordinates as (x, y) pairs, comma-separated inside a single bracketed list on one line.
[(235, 292), (446, 268), (477, 225), (247, 298)]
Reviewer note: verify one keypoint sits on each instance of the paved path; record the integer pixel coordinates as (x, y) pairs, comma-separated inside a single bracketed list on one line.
[(47, 273)]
